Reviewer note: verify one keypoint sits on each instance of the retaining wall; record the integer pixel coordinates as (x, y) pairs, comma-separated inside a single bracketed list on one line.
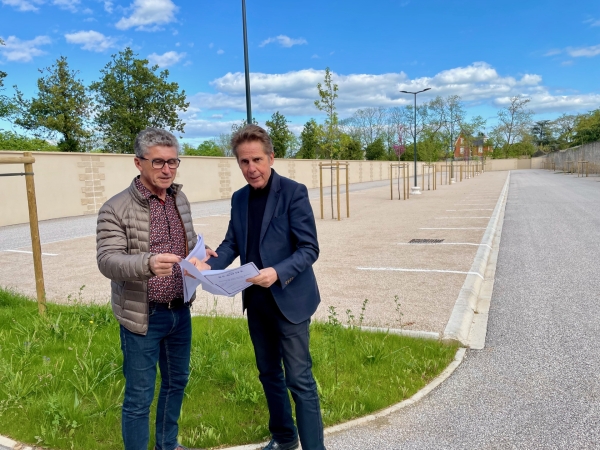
[(75, 184)]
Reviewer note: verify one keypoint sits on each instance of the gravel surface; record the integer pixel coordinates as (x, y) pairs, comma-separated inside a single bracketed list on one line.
[(56, 230), (536, 383)]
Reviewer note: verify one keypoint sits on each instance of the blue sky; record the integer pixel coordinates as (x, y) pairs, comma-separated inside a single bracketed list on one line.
[(481, 50)]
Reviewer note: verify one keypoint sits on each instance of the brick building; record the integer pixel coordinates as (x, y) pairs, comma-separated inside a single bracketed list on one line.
[(464, 149)]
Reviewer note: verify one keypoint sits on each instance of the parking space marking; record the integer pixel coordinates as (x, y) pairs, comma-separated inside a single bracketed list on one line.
[(397, 269), (468, 228), (25, 251)]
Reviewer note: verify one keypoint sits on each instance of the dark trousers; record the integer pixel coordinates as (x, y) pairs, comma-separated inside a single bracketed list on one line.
[(277, 340)]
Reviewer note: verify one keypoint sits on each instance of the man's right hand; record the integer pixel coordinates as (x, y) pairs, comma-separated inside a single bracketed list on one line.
[(161, 265)]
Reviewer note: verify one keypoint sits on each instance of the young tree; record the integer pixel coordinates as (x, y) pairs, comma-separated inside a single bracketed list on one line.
[(61, 107), (310, 139), (280, 134), (326, 103), (132, 96)]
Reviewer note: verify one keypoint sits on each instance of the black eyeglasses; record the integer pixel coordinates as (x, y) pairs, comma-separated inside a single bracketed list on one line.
[(160, 163)]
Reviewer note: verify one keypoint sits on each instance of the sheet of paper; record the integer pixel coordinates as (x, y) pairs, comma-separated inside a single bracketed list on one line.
[(218, 282), (199, 251), (232, 281)]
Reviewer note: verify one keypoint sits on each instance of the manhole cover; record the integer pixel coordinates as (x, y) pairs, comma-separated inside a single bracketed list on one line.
[(425, 241)]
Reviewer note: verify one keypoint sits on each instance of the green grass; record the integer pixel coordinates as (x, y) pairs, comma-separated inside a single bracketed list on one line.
[(61, 384)]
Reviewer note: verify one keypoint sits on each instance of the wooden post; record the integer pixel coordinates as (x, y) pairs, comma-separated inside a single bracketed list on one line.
[(337, 179), (347, 189), (35, 235), (321, 187), (407, 179), (392, 182)]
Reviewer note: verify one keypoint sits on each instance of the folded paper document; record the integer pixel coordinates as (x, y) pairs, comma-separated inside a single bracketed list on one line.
[(219, 282)]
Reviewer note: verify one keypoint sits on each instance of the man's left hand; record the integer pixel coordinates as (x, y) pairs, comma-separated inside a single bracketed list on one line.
[(210, 253), (265, 278), (200, 265)]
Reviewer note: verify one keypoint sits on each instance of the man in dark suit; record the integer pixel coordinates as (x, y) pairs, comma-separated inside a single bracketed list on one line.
[(273, 226)]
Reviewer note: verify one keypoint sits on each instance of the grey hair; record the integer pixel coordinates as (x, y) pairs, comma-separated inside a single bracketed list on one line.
[(153, 136)]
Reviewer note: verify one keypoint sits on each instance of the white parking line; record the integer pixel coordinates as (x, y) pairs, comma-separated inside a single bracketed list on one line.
[(396, 269), (25, 251), (469, 228)]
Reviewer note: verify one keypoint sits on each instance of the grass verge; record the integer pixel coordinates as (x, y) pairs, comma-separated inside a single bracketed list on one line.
[(61, 384)]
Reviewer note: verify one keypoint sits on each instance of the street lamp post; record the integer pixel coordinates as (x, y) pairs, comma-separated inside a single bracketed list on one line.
[(246, 66), (415, 189)]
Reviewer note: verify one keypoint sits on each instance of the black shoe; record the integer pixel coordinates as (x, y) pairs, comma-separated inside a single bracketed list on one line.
[(274, 445)]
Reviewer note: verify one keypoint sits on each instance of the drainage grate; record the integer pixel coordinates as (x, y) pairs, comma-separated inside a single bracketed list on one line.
[(425, 241)]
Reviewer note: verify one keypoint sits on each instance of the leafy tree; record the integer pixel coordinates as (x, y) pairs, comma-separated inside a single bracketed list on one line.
[(376, 151), (513, 122), (206, 148), (310, 139), (587, 127), (351, 148), (9, 140), (280, 134), (542, 133), (61, 107), (564, 127), (431, 146), (131, 97), (6, 106)]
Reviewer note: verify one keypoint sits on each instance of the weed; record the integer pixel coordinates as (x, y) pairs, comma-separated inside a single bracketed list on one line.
[(361, 317), (399, 313)]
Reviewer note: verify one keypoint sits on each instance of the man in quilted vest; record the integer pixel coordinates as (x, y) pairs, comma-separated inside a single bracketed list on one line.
[(142, 233)]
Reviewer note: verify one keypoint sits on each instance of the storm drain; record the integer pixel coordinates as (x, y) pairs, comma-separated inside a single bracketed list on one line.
[(425, 241)]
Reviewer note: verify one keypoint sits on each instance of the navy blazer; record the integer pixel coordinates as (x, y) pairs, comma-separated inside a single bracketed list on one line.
[(288, 243)]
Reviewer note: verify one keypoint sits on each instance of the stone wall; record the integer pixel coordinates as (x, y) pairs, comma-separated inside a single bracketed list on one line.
[(75, 184)]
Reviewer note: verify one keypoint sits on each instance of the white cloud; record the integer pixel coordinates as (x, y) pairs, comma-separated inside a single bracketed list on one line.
[(108, 6), (23, 5), (165, 60), (315, 56), (70, 5), (593, 22), (284, 41), (147, 15), (589, 52), (293, 93), (220, 51), (91, 40), (211, 45), (23, 51), (553, 52)]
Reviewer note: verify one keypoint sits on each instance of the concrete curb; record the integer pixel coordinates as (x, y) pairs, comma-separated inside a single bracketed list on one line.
[(461, 319), (458, 358), (410, 333), (12, 445)]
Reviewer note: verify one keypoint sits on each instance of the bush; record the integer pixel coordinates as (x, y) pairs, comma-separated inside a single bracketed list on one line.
[(9, 140)]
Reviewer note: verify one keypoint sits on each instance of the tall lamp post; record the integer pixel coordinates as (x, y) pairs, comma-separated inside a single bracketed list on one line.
[(415, 189), (246, 66)]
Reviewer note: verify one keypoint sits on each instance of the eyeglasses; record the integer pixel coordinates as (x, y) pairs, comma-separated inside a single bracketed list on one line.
[(160, 163)]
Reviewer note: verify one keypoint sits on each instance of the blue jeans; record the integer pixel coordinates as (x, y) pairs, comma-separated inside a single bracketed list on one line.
[(276, 339), (167, 343)]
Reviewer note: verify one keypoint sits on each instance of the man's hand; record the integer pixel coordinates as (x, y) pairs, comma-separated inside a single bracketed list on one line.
[(201, 265), (161, 265), (210, 253), (265, 278)]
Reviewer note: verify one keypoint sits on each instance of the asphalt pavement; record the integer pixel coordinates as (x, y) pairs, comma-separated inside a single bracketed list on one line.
[(535, 385)]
